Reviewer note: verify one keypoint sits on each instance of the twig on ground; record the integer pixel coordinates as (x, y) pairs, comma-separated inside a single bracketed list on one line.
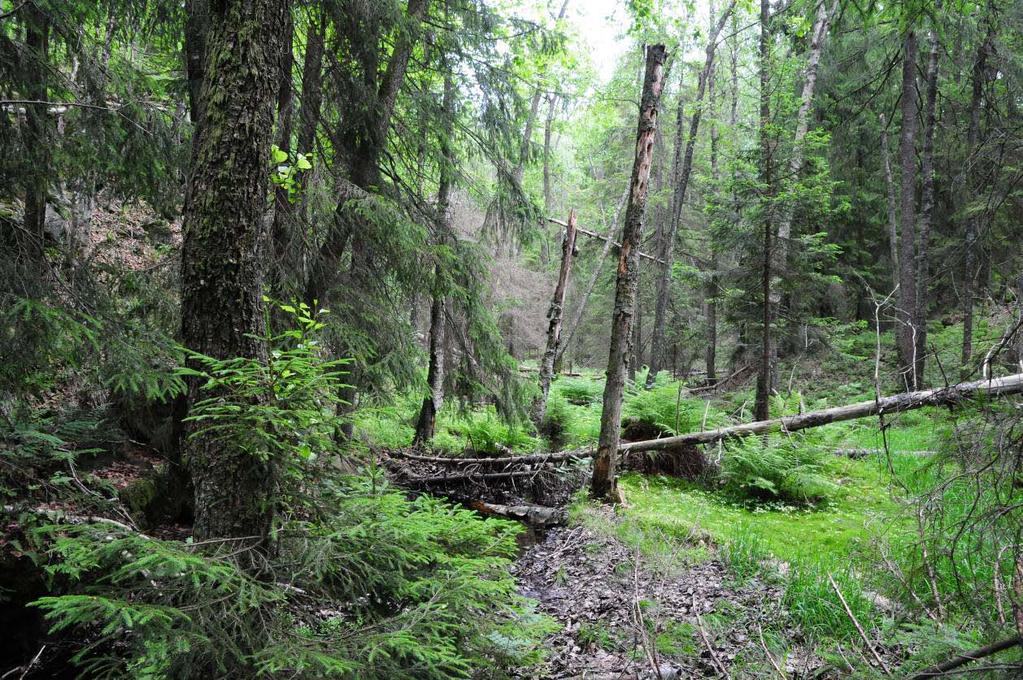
[(931, 577), (770, 657), (26, 668), (859, 628), (897, 573), (644, 639), (706, 641)]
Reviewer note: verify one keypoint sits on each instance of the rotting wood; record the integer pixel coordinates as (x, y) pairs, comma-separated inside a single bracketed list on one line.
[(603, 485), (472, 477), (534, 515), (907, 401), (555, 315)]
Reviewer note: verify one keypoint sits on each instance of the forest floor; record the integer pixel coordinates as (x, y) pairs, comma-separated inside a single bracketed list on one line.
[(624, 616), (688, 580)]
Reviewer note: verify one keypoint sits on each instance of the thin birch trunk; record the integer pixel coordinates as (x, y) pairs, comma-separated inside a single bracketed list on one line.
[(657, 352)]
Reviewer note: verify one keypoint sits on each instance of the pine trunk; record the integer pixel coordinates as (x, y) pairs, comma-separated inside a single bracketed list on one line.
[(907, 239), (761, 405), (426, 425), (39, 132), (892, 205), (972, 143), (604, 483), (711, 283), (221, 271), (196, 26), (926, 211)]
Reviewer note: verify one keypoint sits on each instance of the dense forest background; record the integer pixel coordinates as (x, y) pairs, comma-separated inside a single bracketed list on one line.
[(270, 266)]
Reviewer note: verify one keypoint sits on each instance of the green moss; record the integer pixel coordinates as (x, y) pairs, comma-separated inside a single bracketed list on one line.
[(677, 639)]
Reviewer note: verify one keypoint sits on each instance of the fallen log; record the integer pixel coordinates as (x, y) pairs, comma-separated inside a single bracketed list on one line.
[(907, 401), (525, 459), (478, 478), (943, 669), (534, 515)]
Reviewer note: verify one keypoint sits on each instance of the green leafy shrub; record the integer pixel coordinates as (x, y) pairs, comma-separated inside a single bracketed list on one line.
[(279, 407), (791, 470)]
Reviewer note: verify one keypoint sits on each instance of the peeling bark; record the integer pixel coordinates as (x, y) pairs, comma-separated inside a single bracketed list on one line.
[(604, 483), (555, 314)]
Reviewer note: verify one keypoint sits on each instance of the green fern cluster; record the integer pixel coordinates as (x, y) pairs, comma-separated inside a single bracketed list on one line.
[(663, 408), (791, 470)]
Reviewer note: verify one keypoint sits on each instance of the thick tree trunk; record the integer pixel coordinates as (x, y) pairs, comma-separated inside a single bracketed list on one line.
[(907, 239), (555, 314), (765, 374), (221, 271), (972, 144), (604, 483), (926, 211), (38, 132), (657, 352)]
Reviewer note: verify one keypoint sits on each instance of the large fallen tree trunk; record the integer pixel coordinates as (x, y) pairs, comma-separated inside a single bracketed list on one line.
[(907, 401)]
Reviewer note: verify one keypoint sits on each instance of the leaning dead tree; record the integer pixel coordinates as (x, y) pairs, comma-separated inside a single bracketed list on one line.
[(554, 316), (906, 401)]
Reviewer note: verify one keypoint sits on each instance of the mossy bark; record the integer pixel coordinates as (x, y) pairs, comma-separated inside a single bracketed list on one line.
[(221, 268)]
